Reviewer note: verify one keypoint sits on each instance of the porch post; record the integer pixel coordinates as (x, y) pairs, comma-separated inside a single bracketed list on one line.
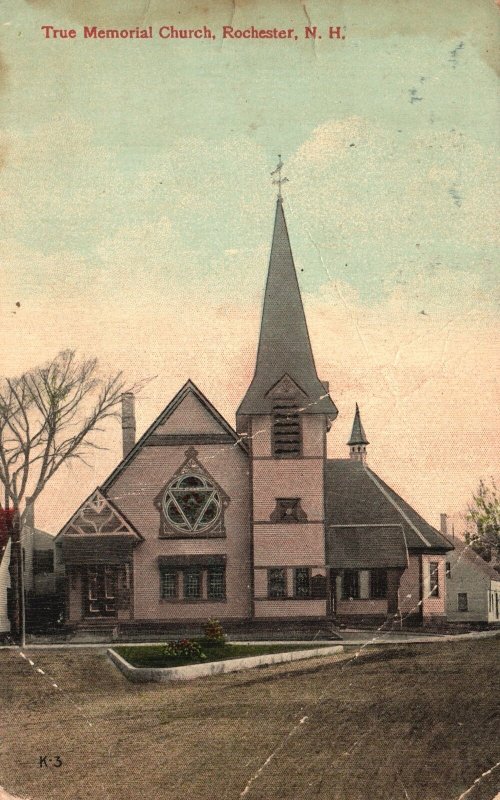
[(393, 581)]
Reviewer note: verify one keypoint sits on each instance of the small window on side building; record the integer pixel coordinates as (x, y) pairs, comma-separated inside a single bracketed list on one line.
[(463, 604), (434, 578), (448, 569)]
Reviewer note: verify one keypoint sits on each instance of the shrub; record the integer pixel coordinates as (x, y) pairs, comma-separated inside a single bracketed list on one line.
[(184, 648), (214, 633)]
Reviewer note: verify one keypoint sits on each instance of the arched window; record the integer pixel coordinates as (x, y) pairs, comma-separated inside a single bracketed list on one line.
[(191, 503)]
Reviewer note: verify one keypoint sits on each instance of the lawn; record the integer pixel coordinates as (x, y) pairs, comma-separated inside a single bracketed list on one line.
[(154, 655), (415, 722)]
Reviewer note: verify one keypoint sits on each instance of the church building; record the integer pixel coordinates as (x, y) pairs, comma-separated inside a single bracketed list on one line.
[(253, 524)]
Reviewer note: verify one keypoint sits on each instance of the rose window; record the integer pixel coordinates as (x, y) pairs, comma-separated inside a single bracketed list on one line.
[(191, 503)]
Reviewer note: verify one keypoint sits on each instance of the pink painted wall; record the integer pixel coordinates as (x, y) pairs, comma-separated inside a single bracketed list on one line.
[(288, 478), (290, 608), (409, 587), (289, 544), (434, 606), (190, 417), (134, 493), (362, 607)]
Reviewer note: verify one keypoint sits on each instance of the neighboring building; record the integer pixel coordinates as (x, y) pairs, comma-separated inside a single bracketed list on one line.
[(4, 585), (472, 584), (38, 549), (199, 520)]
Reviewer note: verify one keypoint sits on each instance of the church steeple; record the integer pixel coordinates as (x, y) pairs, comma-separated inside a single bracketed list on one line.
[(358, 441), (284, 352)]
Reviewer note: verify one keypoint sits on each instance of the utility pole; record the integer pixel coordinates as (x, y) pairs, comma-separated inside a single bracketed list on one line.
[(16, 569)]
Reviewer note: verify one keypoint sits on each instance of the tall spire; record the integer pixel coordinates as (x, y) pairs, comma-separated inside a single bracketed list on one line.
[(284, 351), (358, 441)]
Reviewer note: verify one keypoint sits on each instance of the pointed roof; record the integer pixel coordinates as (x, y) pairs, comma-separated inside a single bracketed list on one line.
[(188, 388), (98, 516), (358, 435), (284, 345)]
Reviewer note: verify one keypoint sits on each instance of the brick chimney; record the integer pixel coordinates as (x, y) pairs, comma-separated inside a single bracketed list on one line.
[(444, 524), (128, 422)]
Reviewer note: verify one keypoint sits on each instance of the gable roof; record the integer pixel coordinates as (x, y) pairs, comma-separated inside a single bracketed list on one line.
[(466, 551), (356, 495), (98, 516), (188, 388), (284, 344)]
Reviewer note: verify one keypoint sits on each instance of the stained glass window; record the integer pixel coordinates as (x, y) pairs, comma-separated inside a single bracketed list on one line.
[(277, 583), (192, 584), (302, 582), (169, 584), (216, 583), (191, 503)]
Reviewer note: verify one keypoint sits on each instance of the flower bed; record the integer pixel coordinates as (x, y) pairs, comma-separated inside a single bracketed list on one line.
[(205, 651)]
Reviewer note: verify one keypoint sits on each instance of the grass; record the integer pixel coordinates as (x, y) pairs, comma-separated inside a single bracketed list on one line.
[(154, 655), (414, 722)]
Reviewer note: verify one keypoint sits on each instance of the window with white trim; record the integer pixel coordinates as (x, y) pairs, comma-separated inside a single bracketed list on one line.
[(434, 578)]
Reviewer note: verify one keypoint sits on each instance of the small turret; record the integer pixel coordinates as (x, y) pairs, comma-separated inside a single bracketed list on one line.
[(358, 441)]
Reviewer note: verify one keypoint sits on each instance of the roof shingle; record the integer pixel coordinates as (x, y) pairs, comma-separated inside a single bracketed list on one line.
[(356, 495)]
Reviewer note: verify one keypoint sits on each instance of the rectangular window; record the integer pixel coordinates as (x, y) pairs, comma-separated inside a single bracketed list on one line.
[(216, 583), (192, 584), (350, 584), (286, 431), (302, 582), (276, 583), (378, 584), (434, 578), (169, 584), (462, 601), (448, 569)]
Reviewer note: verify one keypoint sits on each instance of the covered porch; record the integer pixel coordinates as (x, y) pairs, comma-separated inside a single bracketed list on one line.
[(365, 564)]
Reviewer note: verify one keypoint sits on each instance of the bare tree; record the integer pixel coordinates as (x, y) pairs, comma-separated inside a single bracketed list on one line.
[(48, 417)]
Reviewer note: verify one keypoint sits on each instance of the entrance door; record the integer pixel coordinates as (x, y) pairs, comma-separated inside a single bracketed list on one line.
[(100, 589)]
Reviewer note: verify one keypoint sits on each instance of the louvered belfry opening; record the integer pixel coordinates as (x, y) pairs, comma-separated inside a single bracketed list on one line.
[(287, 434)]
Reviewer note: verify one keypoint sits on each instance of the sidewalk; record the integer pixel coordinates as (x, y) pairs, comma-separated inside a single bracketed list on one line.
[(351, 638)]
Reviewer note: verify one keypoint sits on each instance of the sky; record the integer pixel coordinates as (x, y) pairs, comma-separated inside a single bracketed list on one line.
[(138, 210)]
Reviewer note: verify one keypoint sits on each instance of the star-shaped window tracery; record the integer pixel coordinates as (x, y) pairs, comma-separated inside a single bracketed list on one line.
[(191, 503)]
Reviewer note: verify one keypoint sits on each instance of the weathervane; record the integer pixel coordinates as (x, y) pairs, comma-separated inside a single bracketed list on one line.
[(279, 181)]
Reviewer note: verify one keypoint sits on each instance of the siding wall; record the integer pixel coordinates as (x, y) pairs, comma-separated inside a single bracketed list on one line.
[(494, 606), (4, 585), (466, 578)]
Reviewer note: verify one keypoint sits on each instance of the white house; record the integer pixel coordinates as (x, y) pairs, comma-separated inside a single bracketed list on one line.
[(472, 584)]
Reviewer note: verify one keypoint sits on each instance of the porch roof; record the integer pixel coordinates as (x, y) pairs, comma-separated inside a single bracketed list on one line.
[(366, 547), (84, 549)]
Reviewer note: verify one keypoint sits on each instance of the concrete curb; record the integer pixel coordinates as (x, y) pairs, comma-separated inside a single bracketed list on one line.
[(192, 671)]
